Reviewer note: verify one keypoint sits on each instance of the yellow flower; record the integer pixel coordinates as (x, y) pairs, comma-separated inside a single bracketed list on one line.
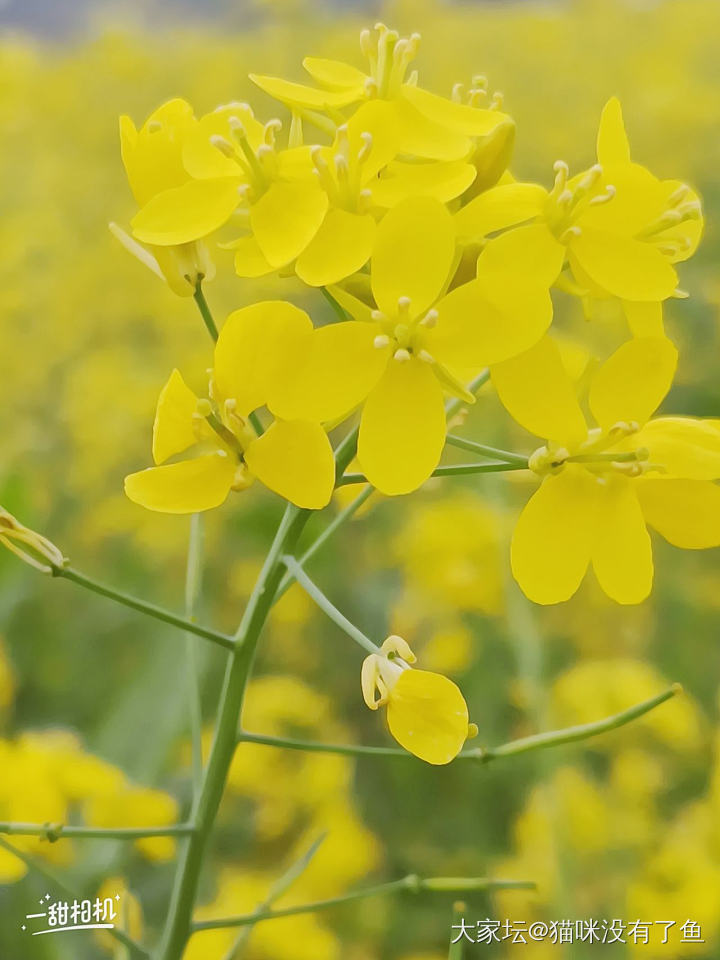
[(420, 342), (601, 486), (619, 227), (426, 712), (292, 457), (426, 125), (153, 159)]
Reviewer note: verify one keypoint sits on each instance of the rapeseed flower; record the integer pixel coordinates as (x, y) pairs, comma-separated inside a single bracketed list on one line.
[(426, 712), (602, 486), (421, 341), (293, 457)]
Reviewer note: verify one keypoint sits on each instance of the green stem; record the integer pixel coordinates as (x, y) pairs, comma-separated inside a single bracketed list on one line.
[(517, 459), (178, 925), (540, 741), (412, 884), (193, 585), (150, 609), (447, 470), (204, 309), (344, 452), (454, 405), (457, 948), (41, 870), (322, 538), (256, 423), (59, 831), (326, 606), (337, 309)]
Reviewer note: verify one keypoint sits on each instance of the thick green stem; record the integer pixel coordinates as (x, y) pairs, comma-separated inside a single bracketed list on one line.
[(517, 459), (193, 586), (150, 609), (58, 831), (447, 470), (178, 925), (457, 948), (539, 741), (412, 884), (205, 312)]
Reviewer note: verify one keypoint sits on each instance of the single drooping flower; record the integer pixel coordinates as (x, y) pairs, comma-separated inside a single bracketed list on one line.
[(421, 341), (293, 457), (426, 712), (601, 486), (427, 126), (617, 227), (158, 178)]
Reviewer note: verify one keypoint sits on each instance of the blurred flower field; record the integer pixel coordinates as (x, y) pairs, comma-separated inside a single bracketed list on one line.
[(94, 699)]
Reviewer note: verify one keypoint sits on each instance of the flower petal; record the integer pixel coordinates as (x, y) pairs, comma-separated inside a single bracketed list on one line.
[(498, 208), (294, 459), (301, 95), (186, 213), (554, 536), (186, 487), (685, 512), (335, 75), (333, 373), (173, 430), (152, 156), (625, 267), (633, 382), (521, 257), (458, 117), (414, 250), (644, 319), (420, 136), (341, 246), (201, 158), (612, 142), (257, 347), (402, 431), (622, 553), (286, 218), (683, 447), (428, 716), (249, 258), (442, 180), (536, 391)]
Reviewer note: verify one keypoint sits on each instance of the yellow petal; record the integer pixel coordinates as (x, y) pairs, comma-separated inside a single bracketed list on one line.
[(249, 258), (333, 373), (612, 142), (685, 512), (186, 487), (689, 232), (498, 208), (625, 267), (202, 159), (420, 136), (173, 430), (376, 117), (622, 553), (152, 156), (472, 330), (458, 117), (341, 246), (536, 391), (186, 213), (644, 319), (633, 382), (286, 218), (414, 250), (553, 539), (334, 74), (402, 431), (428, 716), (683, 447), (301, 95), (294, 459), (444, 181), (527, 255), (257, 347), (638, 200)]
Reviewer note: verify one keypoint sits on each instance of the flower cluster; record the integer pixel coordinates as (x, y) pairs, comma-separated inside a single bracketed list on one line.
[(399, 205)]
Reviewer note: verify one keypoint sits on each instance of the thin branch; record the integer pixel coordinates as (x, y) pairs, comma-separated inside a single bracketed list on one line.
[(517, 459), (150, 609), (58, 831), (345, 514), (540, 741), (447, 470), (35, 866), (205, 312), (315, 593), (411, 884), (337, 309)]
